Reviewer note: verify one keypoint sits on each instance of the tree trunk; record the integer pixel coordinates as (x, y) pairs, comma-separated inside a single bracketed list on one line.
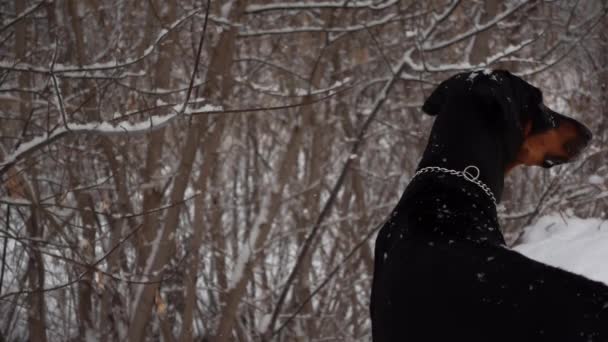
[(163, 244), (210, 150), (268, 210)]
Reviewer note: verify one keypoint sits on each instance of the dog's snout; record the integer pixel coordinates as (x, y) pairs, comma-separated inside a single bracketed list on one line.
[(561, 144), (580, 141), (586, 134), (574, 147)]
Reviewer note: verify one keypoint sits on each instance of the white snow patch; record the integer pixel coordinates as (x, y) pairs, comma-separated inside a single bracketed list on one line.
[(247, 249), (571, 243), (148, 269), (208, 108), (225, 9), (596, 180), (90, 335), (472, 76), (263, 323)]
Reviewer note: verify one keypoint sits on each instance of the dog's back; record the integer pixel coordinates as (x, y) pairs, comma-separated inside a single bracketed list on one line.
[(431, 290)]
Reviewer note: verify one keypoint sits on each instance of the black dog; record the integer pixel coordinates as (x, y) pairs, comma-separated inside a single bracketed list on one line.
[(442, 271)]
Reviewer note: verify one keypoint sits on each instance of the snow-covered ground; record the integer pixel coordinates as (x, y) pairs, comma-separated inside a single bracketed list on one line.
[(571, 243)]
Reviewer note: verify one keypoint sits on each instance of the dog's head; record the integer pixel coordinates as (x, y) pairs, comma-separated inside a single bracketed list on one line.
[(532, 133)]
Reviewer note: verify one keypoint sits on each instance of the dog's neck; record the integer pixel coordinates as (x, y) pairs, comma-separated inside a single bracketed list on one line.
[(444, 206), (458, 141)]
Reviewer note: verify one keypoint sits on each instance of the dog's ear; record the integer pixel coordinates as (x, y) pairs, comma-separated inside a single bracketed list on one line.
[(437, 100)]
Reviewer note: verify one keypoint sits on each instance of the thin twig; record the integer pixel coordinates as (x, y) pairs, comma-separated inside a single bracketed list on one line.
[(328, 278), (198, 57), (57, 91), (21, 16), (8, 221), (336, 188)]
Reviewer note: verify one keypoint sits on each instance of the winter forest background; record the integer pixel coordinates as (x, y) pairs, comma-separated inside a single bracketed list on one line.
[(217, 170)]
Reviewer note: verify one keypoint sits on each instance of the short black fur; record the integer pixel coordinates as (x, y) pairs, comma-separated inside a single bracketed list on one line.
[(442, 271)]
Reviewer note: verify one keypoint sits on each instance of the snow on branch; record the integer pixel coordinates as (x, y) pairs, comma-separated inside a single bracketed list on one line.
[(509, 50), (104, 128), (477, 29), (438, 19), (393, 17), (594, 22), (373, 5), (275, 90), (84, 71), (463, 66)]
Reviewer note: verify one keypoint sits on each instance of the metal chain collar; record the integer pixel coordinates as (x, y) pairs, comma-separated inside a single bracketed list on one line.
[(466, 174)]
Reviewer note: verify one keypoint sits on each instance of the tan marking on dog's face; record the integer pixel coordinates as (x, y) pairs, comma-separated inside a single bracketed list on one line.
[(554, 146)]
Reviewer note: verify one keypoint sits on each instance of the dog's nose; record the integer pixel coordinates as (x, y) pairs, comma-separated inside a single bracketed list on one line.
[(574, 147), (582, 137), (586, 134), (578, 144)]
